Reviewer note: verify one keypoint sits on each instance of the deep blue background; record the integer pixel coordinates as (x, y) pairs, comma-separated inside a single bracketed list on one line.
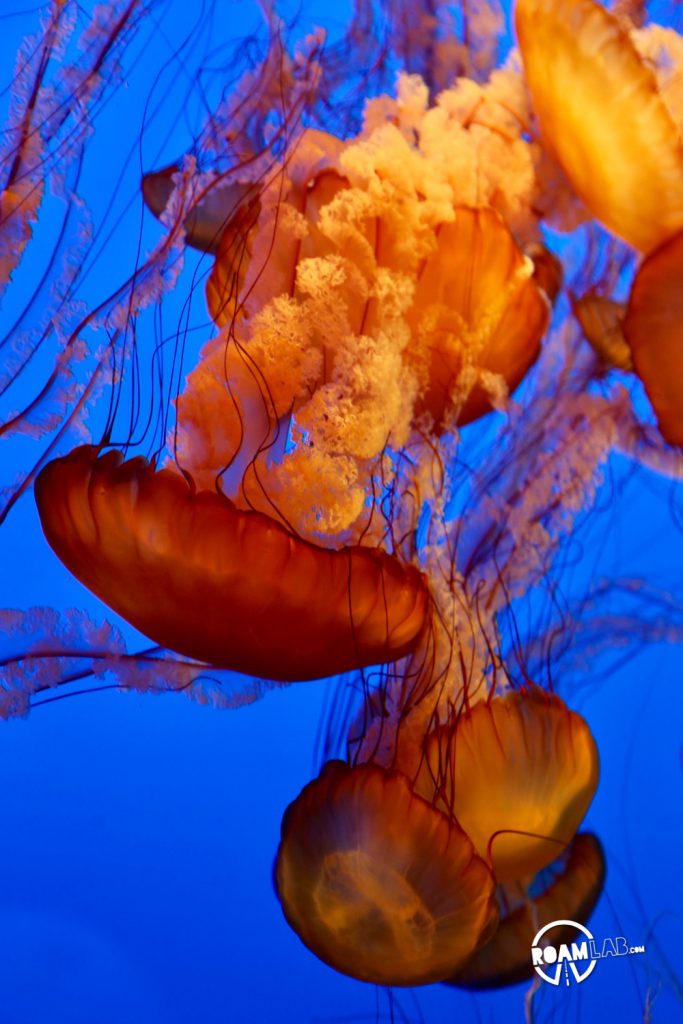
[(137, 834)]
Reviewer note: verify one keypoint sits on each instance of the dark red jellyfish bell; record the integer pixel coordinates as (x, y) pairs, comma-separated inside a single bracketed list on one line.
[(654, 331), (377, 882), (571, 896), (233, 588)]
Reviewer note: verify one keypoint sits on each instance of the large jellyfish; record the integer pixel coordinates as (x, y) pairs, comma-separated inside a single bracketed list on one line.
[(400, 334)]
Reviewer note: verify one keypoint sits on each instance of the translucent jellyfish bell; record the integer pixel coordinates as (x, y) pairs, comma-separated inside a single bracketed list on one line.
[(477, 302), (602, 116), (214, 208), (377, 882), (518, 773)]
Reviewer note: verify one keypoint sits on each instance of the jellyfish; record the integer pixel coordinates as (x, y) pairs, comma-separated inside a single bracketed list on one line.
[(608, 113), (652, 327), (518, 773), (377, 882), (325, 305), (244, 593), (570, 894)]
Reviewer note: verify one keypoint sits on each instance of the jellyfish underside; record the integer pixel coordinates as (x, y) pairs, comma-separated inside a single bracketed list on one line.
[(571, 896), (377, 882), (283, 365), (478, 301), (224, 586)]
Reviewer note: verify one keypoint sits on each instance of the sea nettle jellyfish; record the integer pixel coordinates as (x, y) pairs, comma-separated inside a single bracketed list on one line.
[(518, 772), (371, 447), (378, 883), (224, 586), (609, 102), (567, 892)]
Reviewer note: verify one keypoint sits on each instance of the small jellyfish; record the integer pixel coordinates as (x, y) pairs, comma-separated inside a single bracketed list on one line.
[(211, 211), (377, 882), (604, 117), (518, 773), (225, 586), (602, 322)]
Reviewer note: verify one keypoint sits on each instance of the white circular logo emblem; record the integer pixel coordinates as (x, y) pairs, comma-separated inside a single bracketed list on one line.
[(553, 962)]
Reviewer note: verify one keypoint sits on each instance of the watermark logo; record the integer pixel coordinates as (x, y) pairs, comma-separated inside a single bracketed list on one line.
[(573, 960)]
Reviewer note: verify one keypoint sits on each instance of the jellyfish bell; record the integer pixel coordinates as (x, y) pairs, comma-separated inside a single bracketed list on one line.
[(571, 895), (338, 363), (216, 205), (478, 305), (548, 270), (603, 117), (229, 587), (602, 322), (653, 327), (261, 245), (518, 772), (377, 882)]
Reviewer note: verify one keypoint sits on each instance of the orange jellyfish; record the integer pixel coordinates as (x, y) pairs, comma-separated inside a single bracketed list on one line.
[(478, 305), (229, 587), (570, 895), (377, 882), (653, 327), (604, 117), (349, 327), (518, 773)]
